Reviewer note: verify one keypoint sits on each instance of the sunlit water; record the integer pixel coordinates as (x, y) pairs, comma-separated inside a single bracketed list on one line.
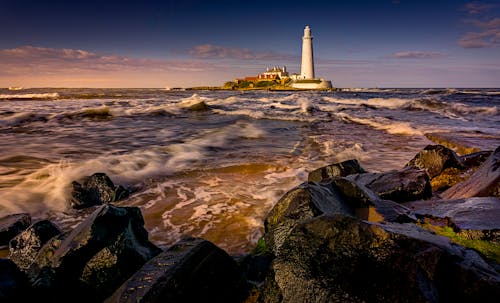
[(215, 173)]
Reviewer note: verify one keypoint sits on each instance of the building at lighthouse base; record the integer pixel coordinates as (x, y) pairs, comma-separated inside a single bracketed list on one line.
[(310, 83)]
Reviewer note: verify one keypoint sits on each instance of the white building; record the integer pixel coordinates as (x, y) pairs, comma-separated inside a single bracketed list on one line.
[(306, 79)]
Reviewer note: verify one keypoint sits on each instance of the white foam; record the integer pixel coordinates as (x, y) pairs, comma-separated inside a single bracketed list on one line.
[(391, 103), (29, 96), (394, 128)]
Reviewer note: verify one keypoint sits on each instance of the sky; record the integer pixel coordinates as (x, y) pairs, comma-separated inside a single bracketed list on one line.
[(173, 43)]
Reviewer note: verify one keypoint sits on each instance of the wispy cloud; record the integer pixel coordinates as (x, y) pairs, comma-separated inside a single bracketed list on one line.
[(210, 51), (476, 7), (417, 55), (487, 29), (53, 60)]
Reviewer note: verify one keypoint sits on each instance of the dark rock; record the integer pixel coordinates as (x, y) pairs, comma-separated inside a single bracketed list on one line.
[(306, 201), (25, 247), (94, 258), (192, 270), (12, 225), (475, 159), (200, 106), (96, 189), (408, 184), (484, 182), (255, 267), (341, 169), (336, 258), (368, 206), (13, 283), (475, 217), (338, 196), (434, 159)]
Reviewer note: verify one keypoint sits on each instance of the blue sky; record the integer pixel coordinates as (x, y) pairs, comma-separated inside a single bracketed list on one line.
[(377, 43)]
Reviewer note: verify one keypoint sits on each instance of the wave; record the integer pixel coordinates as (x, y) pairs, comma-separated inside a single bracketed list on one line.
[(48, 188), (391, 103), (19, 119), (380, 123), (450, 109), (40, 96)]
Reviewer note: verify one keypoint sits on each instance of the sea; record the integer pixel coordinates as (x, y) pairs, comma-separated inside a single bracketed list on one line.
[(211, 163)]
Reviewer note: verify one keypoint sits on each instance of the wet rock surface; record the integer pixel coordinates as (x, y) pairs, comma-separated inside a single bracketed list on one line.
[(192, 270), (341, 169), (477, 216), (95, 190), (24, 247), (400, 185), (434, 159), (95, 258), (12, 225), (484, 182), (336, 258)]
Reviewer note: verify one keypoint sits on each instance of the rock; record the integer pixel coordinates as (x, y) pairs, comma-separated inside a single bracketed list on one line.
[(484, 182), (475, 217), (399, 185), (96, 189), (94, 258), (200, 106), (13, 283), (337, 258), (24, 247), (475, 159), (338, 196), (306, 201), (368, 206), (192, 270), (341, 169), (434, 159), (255, 267), (12, 225)]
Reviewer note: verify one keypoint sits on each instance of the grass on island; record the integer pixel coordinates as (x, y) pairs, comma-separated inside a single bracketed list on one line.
[(487, 248)]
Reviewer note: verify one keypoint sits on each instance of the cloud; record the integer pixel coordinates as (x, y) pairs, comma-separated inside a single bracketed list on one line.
[(487, 29), (476, 7), (41, 60), (417, 55), (209, 51)]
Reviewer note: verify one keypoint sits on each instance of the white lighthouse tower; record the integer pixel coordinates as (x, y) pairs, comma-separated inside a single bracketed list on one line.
[(306, 79), (307, 67)]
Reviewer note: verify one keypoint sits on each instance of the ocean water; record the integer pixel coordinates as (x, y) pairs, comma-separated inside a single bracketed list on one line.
[(215, 173)]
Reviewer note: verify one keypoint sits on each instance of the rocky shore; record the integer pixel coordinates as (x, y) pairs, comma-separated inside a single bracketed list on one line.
[(428, 232)]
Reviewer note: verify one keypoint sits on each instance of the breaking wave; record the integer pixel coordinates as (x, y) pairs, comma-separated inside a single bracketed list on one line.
[(40, 96)]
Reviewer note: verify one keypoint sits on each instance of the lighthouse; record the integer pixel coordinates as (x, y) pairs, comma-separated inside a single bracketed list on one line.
[(307, 79), (307, 67)]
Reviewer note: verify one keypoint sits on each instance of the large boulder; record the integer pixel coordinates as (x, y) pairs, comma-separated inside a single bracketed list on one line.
[(12, 225), (434, 159), (192, 270), (337, 196), (408, 184), (337, 258), (94, 258), (306, 201), (484, 182), (14, 285), (95, 190), (341, 169), (24, 247)]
